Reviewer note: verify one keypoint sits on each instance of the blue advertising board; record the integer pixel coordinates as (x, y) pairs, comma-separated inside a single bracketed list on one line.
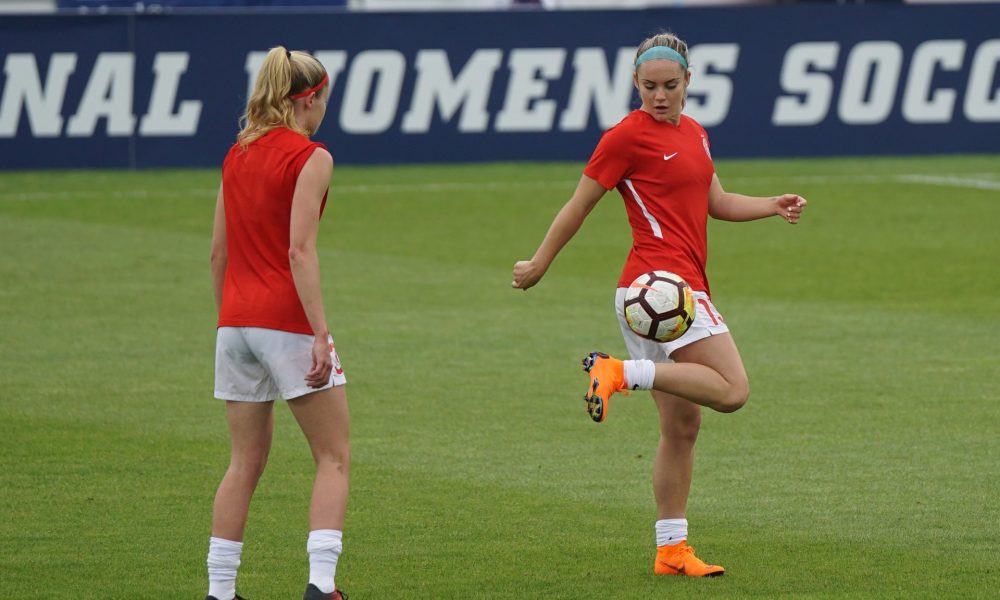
[(156, 90)]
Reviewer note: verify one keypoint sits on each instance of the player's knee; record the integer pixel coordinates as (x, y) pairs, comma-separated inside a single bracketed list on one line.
[(336, 456), (249, 468), (736, 397)]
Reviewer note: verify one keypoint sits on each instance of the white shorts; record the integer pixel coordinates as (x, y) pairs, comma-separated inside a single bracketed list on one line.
[(253, 364), (707, 322)]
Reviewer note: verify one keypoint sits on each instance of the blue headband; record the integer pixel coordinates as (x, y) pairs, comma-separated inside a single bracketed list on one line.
[(661, 52)]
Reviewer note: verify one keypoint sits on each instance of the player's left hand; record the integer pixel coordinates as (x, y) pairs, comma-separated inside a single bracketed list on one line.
[(789, 207)]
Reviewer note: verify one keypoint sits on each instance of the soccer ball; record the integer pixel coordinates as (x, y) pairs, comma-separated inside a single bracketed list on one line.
[(659, 306)]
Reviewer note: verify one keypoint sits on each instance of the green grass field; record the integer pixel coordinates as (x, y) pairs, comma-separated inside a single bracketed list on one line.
[(866, 464)]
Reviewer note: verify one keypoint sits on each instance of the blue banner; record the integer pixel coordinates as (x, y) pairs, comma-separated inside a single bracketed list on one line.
[(156, 90)]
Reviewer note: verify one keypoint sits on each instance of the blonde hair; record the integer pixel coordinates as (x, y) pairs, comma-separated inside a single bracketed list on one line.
[(664, 39), (283, 74)]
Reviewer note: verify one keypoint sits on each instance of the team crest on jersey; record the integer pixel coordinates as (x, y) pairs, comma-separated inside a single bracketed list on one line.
[(704, 142)]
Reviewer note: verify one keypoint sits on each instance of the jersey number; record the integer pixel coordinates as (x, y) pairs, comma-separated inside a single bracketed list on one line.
[(711, 314)]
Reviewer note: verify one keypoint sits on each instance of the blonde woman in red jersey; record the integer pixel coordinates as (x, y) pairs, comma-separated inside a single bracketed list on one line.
[(659, 160), (273, 338)]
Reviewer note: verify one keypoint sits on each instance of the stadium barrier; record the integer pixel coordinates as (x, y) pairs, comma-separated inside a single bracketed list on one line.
[(164, 90)]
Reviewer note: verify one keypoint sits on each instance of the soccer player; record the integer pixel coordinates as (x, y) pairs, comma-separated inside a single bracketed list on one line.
[(273, 340), (659, 160)]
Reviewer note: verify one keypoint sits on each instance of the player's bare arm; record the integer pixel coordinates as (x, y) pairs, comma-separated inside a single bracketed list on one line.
[(729, 206), (565, 225), (313, 182), (219, 257)]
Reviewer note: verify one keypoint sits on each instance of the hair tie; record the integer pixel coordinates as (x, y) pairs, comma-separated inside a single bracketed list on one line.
[(288, 54), (661, 52)]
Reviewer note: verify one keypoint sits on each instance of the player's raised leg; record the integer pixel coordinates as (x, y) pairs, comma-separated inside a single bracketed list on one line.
[(708, 372), (324, 418), (718, 381)]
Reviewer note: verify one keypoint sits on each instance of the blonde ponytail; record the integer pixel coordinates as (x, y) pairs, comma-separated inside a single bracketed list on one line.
[(282, 74)]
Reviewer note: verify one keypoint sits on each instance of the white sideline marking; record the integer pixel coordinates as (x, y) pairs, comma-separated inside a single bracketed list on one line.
[(448, 186), (382, 188), (953, 181), (981, 181), (133, 193)]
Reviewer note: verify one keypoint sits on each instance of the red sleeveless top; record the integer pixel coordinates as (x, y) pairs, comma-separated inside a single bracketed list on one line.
[(257, 187)]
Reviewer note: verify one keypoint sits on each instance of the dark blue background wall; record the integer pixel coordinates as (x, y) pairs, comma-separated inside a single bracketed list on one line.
[(83, 91)]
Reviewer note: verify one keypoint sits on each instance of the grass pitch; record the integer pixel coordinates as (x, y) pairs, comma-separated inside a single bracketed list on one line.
[(866, 463)]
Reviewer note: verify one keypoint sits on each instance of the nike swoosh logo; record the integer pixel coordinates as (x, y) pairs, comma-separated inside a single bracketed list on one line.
[(666, 157)]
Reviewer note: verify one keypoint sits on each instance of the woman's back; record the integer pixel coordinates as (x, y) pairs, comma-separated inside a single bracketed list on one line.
[(258, 183)]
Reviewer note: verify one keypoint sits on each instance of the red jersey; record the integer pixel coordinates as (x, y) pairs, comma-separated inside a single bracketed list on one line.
[(257, 188), (663, 172)]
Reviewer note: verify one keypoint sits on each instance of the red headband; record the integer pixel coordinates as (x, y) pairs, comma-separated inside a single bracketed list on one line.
[(315, 88)]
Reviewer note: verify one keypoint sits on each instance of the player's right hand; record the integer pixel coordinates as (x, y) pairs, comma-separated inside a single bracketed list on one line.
[(322, 363), (526, 274)]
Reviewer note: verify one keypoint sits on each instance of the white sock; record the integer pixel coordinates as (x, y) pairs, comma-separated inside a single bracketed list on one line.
[(324, 548), (223, 561), (670, 532), (639, 374)]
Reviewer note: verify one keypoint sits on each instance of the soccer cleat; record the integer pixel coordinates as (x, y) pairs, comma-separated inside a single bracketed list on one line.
[(236, 597), (680, 560), (313, 593), (607, 376)]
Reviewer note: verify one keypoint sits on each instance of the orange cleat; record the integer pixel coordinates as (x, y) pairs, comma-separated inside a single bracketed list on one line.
[(679, 559), (607, 376)]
